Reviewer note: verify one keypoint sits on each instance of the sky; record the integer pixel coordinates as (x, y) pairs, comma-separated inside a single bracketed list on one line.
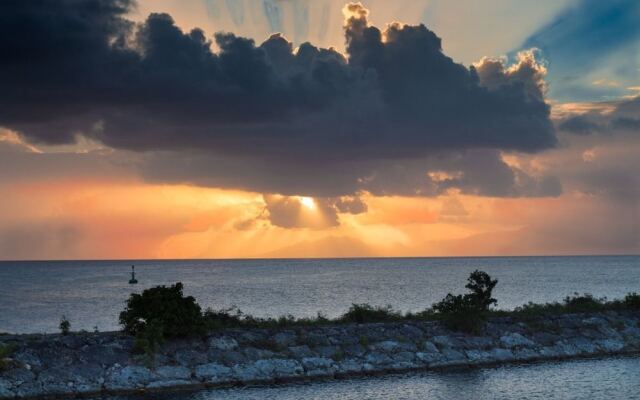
[(318, 128)]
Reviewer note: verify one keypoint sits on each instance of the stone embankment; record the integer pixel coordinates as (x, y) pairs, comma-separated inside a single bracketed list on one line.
[(87, 363)]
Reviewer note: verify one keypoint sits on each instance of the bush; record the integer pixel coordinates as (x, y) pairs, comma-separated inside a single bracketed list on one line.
[(584, 303), (171, 312), (6, 350), (468, 312), (149, 340), (632, 301), (225, 318), (363, 313), (65, 325)]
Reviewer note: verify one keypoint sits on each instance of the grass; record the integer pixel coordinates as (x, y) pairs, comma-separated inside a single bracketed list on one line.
[(366, 313), (6, 350)]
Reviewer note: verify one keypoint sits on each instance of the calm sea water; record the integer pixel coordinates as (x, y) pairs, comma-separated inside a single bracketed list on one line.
[(603, 379), (90, 294)]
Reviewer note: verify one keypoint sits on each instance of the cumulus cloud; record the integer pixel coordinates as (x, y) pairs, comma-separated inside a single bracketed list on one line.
[(268, 117)]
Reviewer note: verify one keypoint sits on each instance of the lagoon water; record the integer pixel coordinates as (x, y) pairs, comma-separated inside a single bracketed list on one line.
[(90, 294)]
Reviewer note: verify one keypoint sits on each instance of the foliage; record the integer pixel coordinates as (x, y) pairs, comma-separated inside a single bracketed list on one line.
[(6, 350), (168, 308), (481, 286), (65, 325), (468, 312), (584, 303), (632, 301), (149, 340), (363, 313)]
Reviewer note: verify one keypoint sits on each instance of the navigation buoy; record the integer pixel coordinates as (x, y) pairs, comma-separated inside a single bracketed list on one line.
[(133, 279)]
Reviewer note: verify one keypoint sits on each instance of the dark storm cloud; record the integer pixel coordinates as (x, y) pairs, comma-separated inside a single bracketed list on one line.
[(264, 117)]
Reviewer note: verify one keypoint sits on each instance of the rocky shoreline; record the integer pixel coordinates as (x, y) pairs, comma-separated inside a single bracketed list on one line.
[(81, 364)]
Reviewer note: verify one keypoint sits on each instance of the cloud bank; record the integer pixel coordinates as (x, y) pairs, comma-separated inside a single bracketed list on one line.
[(268, 117)]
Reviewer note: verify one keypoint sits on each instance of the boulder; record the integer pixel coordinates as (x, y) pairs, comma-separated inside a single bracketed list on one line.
[(174, 372), (514, 339), (223, 343), (213, 373)]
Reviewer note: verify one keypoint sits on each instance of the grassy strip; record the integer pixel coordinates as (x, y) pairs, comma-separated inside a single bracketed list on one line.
[(365, 313)]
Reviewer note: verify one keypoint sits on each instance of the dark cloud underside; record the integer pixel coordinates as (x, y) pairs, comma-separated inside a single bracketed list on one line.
[(301, 117)]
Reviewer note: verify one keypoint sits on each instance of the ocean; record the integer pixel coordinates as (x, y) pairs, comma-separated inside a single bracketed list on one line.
[(35, 294)]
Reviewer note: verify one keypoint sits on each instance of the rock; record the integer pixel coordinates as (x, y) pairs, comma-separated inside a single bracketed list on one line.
[(378, 359), (512, 340), (388, 346), (315, 366), (353, 350), (446, 341), (429, 357), (525, 354), (223, 343), (279, 368), (190, 357), (412, 332), (452, 355), (88, 388), (478, 342), (501, 354), (29, 389), (250, 373), (176, 383), (429, 347), (300, 351), (403, 356), (478, 356), (28, 357), (19, 375), (231, 358), (328, 351), (349, 366), (254, 354), (285, 339), (583, 345), (610, 345), (174, 372), (5, 389), (129, 377), (213, 372)]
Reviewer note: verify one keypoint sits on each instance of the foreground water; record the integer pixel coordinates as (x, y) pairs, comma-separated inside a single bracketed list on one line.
[(35, 295), (598, 379)]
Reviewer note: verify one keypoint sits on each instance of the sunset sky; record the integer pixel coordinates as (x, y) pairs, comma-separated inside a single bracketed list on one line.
[(318, 128)]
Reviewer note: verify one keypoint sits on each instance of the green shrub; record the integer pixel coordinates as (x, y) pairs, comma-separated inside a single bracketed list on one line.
[(468, 312), (584, 303), (460, 313), (6, 350), (149, 340), (65, 325), (363, 313), (632, 301), (225, 318), (170, 311)]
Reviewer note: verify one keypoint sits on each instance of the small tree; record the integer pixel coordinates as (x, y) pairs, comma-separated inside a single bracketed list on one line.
[(65, 325), (481, 286), (468, 312), (173, 314)]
